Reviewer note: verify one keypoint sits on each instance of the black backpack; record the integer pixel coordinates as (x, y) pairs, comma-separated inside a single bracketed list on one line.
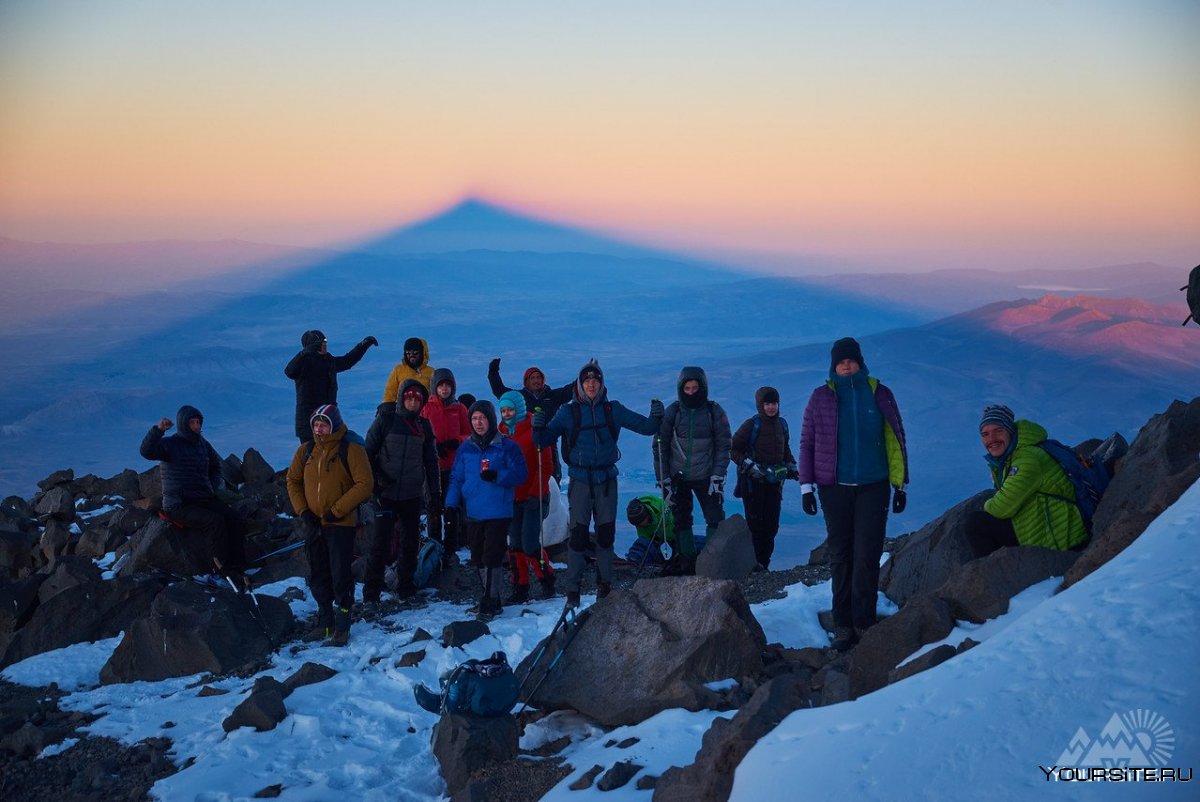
[(1193, 296)]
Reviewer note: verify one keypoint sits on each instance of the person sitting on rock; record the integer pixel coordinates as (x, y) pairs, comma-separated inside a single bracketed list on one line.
[(327, 480), (1034, 501), (191, 476)]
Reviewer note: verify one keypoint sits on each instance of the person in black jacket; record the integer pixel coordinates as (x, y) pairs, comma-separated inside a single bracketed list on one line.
[(403, 453), (315, 370), (191, 474)]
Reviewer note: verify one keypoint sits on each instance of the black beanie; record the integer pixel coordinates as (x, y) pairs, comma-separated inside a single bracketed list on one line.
[(637, 513), (770, 395), (311, 337), (846, 348)]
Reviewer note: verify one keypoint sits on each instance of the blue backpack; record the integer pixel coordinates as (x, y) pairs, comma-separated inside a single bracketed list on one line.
[(1089, 478), (482, 687), (429, 563)]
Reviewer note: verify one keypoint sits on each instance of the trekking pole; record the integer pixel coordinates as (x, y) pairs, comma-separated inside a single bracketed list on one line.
[(253, 607), (575, 625), (542, 494), (662, 516)]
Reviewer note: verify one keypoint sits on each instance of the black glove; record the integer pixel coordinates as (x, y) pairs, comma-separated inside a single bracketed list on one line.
[(792, 473), (450, 444), (656, 408), (899, 501), (488, 475), (312, 348), (494, 365), (756, 471), (539, 420), (310, 525), (809, 501), (310, 518), (369, 341), (329, 517)]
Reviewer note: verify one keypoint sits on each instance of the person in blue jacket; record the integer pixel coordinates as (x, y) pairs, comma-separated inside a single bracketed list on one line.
[(487, 469), (589, 425)]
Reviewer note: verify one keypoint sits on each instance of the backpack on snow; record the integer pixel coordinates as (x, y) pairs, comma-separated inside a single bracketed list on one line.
[(479, 687), (1089, 477), (1193, 296)]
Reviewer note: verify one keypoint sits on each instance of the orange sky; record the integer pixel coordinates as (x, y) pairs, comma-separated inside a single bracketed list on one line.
[(926, 134)]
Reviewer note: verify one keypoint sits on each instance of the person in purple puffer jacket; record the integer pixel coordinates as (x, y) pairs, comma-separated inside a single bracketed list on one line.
[(852, 447)]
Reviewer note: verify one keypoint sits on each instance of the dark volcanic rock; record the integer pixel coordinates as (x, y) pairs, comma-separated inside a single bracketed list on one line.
[(192, 629), (160, 545), (925, 619), (729, 553), (58, 503), (931, 658), (655, 646), (924, 560), (466, 744), (981, 589), (255, 468)]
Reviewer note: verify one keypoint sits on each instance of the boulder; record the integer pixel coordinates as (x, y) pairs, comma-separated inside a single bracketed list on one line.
[(255, 468), (924, 560), (58, 503), (460, 633), (1162, 462), (925, 619), (66, 573), (931, 658), (231, 471), (18, 600), (128, 520), (125, 484), (65, 476), (263, 709), (16, 553), (97, 541), (150, 486), (55, 540), (729, 553), (16, 515), (161, 546), (191, 629), (619, 775), (82, 613), (709, 778), (308, 674), (982, 588), (819, 555), (653, 647), (464, 744)]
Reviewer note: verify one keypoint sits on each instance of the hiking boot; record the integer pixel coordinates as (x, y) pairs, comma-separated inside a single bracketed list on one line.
[(372, 597), (603, 589), (547, 588), (489, 608), (843, 638), (318, 632), (339, 638), (520, 595), (572, 598)]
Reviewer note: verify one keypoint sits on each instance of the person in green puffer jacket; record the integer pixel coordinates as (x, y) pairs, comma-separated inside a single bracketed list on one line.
[(1033, 504)]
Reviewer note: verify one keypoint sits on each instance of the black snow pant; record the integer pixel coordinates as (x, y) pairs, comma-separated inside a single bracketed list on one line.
[(330, 552), (855, 520), (762, 501), (398, 523), (985, 533), (224, 528), (445, 527)]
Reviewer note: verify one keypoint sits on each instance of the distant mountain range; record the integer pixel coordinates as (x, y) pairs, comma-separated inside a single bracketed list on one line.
[(88, 380)]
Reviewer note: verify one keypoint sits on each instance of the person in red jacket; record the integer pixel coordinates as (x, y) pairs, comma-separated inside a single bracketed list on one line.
[(451, 427), (531, 503)]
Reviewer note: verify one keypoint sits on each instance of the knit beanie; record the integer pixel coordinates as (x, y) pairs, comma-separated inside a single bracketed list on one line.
[(331, 415), (311, 337), (999, 415), (637, 513), (846, 348), (530, 371)]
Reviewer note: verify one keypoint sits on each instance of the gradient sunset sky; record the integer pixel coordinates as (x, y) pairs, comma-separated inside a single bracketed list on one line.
[(898, 135)]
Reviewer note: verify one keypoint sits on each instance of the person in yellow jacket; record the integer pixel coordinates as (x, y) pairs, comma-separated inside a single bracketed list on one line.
[(1034, 501), (327, 480), (415, 365)]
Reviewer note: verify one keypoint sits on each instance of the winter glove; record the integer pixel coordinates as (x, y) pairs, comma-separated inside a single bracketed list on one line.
[(309, 519), (494, 365), (329, 517), (656, 408), (369, 341), (754, 469), (792, 473), (539, 420), (668, 492), (488, 474), (716, 486), (899, 501), (312, 348), (809, 501)]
